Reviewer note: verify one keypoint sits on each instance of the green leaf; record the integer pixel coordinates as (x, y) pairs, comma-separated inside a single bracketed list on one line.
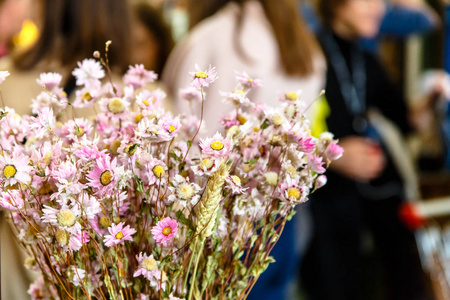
[(251, 161), (139, 185), (291, 215), (157, 252), (265, 124), (167, 259), (189, 144)]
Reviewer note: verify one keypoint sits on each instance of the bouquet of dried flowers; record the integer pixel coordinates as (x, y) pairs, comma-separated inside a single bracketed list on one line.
[(119, 207)]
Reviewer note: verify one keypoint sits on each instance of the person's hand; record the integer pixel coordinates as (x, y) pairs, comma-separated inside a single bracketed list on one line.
[(436, 87), (362, 160)]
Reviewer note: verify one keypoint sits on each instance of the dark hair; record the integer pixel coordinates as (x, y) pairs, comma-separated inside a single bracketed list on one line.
[(296, 43), (73, 29), (152, 19), (326, 9)]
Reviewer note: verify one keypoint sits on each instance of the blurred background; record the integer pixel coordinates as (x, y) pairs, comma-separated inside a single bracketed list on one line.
[(292, 45)]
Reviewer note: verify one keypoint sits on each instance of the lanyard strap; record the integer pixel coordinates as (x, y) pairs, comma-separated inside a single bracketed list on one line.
[(352, 86)]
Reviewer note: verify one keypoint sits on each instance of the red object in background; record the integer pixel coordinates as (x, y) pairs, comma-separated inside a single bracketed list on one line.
[(410, 216)]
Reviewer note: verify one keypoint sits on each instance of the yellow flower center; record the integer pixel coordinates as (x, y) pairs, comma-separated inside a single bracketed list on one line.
[(48, 158), (86, 96), (171, 128), (236, 180), (277, 120), (294, 192), (145, 102), (138, 118), (256, 128), (149, 264), (104, 222), (291, 96), (9, 171), (62, 237), (239, 92), (291, 171), (250, 80), (202, 75), (167, 230), (105, 177), (114, 147), (66, 218), (79, 131), (116, 106), (185, 191), (242, 120), (271, 178), (217, 145), (158, 171), (119, 235), (208, 163), (131, 149)]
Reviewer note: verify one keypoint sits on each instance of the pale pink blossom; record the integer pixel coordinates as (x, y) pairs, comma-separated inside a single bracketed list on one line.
[(202, 78), (217, 146), (246, 81), (334, 151), (49, 80), (3, 75), (118, 234), (15, 168), (165, 230), (88, 73), (137, 76)]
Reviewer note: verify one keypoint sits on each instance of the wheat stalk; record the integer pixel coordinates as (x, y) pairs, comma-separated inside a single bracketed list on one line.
[(209, 204)]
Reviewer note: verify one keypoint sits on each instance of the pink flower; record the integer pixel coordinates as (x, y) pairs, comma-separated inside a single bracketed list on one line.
[(315, 163), (156, 171), (118, 234), (86, 97), (246, 81), (150, 99), (237, 98), (3, 75), (45, 122), (203, 78), (191, 94), (148, 266), (102, 177), (115, 108), (11, 200), (165, 230), (320, 181), (306, 144), (49, 80), (234, 184), (292, 192), (138, 76), (15, 168), (77, 240), (290, 96), (89, 73), (217, 146), (334, 151), (171, 126)]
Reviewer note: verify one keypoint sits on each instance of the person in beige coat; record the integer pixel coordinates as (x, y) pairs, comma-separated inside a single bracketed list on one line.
[(268, 40)]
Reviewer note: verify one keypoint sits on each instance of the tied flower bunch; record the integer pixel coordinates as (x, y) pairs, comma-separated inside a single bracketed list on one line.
[(132, 204)]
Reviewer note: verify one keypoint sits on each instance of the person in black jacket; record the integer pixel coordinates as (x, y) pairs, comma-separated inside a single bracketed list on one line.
[(364, 188)]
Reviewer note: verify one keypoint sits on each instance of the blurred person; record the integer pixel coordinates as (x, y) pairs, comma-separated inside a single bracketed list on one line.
[(401, 19), (69, 32), (364, 188), (152, 37), (12, 15), (268, 40)]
